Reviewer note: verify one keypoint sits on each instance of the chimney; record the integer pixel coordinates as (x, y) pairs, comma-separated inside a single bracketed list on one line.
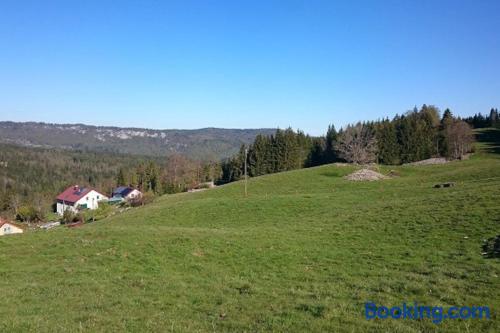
[(75, 187)]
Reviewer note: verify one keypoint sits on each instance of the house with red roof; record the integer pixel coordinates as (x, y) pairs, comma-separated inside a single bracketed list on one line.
[(8, 228), (76, 198)]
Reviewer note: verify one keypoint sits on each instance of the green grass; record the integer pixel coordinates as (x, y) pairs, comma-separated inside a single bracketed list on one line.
[(302, 252)]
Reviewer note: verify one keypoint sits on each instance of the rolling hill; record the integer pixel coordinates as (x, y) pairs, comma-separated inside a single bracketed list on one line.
[(201, 144), (303, 252)]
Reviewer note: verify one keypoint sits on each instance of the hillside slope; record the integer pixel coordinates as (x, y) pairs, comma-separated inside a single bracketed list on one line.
[(205, 143), (302, 252)]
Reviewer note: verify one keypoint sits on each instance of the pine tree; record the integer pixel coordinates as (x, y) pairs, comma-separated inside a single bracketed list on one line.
[(152, 180), (121, 178), (387, 140), (330, 143), (257, 163), (493, 119), (316, 154), (446, 121)]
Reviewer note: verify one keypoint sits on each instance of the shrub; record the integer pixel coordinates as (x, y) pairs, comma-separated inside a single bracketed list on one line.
[(28, 213), (145, 199), (68, 217)]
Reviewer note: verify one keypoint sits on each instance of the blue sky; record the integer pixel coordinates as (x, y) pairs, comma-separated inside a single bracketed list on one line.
[(245, 64)]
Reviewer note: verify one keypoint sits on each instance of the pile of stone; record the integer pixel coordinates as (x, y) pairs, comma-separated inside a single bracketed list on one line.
[(430, 161), (365, 175)]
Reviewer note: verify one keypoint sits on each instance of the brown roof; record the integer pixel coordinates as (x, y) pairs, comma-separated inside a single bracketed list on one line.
[(3, 221)]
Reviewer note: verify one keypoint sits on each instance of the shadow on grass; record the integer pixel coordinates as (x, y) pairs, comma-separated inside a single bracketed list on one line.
[(332, 174), (490, 139)]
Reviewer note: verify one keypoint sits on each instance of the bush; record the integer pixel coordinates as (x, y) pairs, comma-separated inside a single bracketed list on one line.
[(145, 199), (104, 210), (28, 213), (68, 217)]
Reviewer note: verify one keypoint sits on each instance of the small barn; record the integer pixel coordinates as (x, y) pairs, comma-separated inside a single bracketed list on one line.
[(9, 228)]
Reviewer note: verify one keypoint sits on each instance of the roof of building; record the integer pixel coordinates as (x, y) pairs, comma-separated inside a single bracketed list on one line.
[(74, 193), (2, 222), (122, 191)]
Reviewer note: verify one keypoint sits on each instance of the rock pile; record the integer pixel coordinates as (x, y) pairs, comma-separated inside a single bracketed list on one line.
[(430, 161), (365, 175)]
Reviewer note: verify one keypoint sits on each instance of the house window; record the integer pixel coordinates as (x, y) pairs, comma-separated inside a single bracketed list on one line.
[(97, 197)]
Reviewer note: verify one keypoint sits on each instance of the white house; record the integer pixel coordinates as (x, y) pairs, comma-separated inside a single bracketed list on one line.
[(126, 193), (8, 228), (76, 198)]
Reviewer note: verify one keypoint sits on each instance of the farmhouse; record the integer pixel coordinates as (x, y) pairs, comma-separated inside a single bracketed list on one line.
[(125, 193), (8, 228), (75, 198)]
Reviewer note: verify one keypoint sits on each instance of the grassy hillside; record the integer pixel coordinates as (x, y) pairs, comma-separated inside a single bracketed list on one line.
[(302, 252)]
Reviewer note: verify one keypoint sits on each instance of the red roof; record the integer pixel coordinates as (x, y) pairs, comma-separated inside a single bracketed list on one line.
[(74, 193)]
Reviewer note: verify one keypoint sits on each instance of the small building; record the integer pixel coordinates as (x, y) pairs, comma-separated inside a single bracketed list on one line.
[(127, 193), (76, 198), (8, 228)]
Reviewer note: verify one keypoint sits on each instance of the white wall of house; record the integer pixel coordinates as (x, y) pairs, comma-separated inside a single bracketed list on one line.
[(7, 229), (134, 195), (60, 208), (91, 199)]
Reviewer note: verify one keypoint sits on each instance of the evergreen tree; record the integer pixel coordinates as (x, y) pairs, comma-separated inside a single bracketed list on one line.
[(446, 121), (151, 178), (330, 143), (316, 155), (387, 141), (493, 119), (141, 176), (121, 178), (430, 116), (304, 144), (418, 134), (257, 162)]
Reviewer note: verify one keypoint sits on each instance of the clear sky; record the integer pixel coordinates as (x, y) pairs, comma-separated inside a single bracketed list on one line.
[(245, 64)]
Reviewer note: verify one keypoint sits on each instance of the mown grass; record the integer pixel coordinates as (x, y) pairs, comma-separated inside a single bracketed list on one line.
[(302, 252)]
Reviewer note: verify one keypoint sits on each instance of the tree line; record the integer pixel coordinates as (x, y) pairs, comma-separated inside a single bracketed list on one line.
[(413, 136), (176, 173), (481, 121)]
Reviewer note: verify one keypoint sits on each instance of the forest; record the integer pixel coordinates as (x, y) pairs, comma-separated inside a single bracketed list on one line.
[(416, 135), (31, 178)]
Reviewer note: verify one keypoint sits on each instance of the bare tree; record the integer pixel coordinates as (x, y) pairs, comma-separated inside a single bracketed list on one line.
[(181, 171), (357, 144), (15, 202), (460, 137)]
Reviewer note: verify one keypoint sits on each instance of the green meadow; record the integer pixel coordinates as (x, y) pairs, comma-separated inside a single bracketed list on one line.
[(302, 252)]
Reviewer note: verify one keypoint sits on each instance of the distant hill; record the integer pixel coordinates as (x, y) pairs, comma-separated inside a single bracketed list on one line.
[(205, 143)]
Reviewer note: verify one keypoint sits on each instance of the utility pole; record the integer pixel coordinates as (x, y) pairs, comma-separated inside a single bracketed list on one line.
[(246, 176)]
